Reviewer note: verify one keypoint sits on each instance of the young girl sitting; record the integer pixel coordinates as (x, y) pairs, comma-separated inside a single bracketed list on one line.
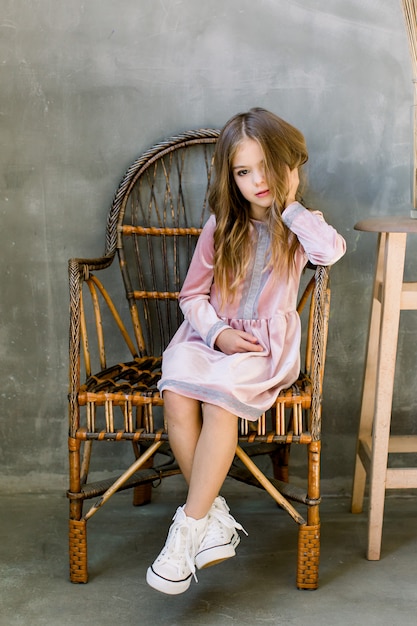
[(239, 345)]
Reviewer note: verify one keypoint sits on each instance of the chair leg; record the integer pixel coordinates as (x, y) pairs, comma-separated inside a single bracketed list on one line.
[(280, 462), (78, 551), (309, 534), (77, 526), (308, 556), (142, 494)]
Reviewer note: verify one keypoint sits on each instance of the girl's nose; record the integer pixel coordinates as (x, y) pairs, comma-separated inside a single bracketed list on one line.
[(258, 177)]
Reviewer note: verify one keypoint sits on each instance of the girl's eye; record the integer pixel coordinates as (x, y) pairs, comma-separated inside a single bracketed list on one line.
[(242, 172)]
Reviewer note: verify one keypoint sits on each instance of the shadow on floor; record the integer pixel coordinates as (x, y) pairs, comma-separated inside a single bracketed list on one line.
[(255, 587)]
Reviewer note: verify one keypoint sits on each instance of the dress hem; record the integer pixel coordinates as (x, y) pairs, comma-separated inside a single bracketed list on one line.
[(196, 392)]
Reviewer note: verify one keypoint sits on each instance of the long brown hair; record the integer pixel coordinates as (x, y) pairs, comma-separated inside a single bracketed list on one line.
[(283, 147)]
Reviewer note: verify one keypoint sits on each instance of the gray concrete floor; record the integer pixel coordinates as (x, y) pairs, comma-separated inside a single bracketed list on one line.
[(255, 587)]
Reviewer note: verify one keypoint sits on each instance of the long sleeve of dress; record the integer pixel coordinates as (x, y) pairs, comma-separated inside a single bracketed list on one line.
[(194, 298), (321, 242)]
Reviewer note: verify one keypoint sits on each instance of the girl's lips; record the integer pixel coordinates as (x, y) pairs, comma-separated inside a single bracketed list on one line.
[(262, 194)]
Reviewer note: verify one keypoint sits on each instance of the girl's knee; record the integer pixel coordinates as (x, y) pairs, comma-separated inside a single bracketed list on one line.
[(216, 412), (180, 408), (173, 401)]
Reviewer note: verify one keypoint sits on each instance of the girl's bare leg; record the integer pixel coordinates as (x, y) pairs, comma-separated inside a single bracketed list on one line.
[(203, 440), (184, 419), (213, 457), (204, 447)]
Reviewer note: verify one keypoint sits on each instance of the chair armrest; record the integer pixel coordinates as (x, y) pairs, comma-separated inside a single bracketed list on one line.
[(86, 329), (318, 354), (83, 266)]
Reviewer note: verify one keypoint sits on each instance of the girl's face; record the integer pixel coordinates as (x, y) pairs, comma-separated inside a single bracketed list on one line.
[(248, 169)]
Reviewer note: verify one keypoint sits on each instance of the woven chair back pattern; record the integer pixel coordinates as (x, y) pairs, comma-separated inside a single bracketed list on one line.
[(159, 224), (156, 217)]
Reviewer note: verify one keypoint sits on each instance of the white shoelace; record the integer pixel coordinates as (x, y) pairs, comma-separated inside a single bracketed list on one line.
[(224, 520), (181, 543)]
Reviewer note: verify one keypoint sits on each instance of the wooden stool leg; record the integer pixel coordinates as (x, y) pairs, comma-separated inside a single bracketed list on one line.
[(369, 383), (390, 317)]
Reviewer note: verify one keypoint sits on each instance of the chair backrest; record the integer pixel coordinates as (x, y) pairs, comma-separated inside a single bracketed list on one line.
[(154, 222)]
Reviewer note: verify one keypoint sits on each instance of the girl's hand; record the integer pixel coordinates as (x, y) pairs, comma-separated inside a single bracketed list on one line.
[(293, 181), (231, 341)]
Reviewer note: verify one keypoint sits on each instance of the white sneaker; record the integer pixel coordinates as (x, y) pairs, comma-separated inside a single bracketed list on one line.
[(221, 538), (172, 570)]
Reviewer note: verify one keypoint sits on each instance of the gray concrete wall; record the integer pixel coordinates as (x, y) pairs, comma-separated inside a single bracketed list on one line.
[(86, 86)]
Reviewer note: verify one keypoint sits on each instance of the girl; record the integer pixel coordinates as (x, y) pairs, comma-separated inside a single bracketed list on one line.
[(240, 342)]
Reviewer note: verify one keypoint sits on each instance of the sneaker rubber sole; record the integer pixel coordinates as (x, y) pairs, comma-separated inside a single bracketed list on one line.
[(217, 554), (170, 587)]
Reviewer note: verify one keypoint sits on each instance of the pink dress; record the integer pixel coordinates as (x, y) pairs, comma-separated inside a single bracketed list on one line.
[(246, 384)]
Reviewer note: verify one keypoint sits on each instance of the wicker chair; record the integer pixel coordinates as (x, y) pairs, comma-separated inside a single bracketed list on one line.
[(153, 224)]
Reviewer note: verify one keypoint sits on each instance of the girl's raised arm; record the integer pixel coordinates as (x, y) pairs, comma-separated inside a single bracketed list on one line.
[(322, 243)]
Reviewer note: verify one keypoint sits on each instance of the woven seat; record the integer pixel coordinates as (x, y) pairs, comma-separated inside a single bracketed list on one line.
[(153, 224)]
